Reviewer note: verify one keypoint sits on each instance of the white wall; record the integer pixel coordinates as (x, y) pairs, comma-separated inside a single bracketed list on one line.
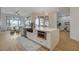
[(74, 24), (53, 20), (0, 13)]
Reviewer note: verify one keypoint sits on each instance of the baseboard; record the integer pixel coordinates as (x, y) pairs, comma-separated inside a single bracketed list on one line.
[(75, 38)]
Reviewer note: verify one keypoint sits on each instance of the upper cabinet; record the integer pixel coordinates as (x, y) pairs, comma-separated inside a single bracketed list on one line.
[(46, 19), (42, 21)]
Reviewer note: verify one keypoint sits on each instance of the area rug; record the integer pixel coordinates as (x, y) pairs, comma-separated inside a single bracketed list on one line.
[(28, 44)]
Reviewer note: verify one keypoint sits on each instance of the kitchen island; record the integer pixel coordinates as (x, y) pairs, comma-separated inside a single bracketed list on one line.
[(47, 37)]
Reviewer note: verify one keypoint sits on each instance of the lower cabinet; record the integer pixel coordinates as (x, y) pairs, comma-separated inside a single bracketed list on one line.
[(51, 41)]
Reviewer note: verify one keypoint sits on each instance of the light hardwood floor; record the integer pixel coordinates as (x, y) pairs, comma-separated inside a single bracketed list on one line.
[(8, 43), (65, 43)]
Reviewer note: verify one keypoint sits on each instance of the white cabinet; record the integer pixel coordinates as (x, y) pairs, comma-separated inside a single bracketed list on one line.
[(52, 38)]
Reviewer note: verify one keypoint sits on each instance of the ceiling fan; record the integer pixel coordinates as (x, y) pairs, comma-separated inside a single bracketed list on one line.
[(28, 17)]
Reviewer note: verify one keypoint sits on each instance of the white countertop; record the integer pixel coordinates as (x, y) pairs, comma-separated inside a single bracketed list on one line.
[(45, 29), (27, 27)]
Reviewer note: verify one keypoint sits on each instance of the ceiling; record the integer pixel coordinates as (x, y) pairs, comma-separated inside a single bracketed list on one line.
[(64, 11), (26, 11)]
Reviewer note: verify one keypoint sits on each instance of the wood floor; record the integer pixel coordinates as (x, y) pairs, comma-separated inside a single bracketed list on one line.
[(65, 43), (8, 43)]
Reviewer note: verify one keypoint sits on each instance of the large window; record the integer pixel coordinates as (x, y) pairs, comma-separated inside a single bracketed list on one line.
[(28, 21), (42, 21), (13, 21)]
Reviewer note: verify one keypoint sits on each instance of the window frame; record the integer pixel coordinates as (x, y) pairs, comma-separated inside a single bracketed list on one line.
[(46, 18)]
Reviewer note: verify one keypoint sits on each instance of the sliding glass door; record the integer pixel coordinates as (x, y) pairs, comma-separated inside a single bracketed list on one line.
[(13, 22)]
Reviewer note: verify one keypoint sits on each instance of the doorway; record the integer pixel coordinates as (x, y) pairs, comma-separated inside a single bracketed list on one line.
[(63, 23)]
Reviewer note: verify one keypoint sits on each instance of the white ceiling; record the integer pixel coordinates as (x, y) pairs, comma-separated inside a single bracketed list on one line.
[(26, 11), (64, 11)]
